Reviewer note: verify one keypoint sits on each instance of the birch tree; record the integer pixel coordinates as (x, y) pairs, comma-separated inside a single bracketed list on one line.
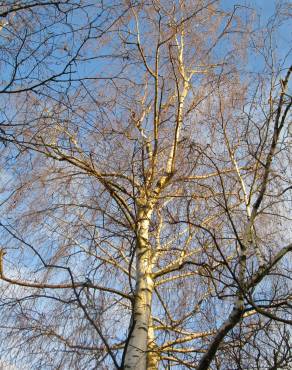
[(145, 189)]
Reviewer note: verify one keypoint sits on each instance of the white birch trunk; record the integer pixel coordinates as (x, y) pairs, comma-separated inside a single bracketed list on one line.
[(152, 355), (136, 356)]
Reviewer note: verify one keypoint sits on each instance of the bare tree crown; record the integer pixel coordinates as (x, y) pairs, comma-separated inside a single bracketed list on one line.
[(146, 183)]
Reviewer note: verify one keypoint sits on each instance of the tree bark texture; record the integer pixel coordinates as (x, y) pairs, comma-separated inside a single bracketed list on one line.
[(137, 350)]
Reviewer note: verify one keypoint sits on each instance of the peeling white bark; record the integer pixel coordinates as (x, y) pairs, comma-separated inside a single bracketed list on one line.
[(136, 356)]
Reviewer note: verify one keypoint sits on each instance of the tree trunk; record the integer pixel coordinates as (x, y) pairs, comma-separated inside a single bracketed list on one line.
[(152, 355), (136, 356)]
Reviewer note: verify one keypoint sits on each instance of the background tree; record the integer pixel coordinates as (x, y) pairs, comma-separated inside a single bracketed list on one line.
[(145, 186)]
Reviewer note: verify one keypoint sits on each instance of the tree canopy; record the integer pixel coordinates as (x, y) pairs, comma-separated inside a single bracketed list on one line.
[(146, 185)]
